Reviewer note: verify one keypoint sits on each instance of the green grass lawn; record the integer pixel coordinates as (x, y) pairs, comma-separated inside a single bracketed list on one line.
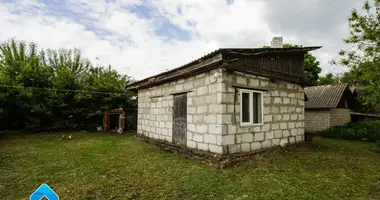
[(111, 166)]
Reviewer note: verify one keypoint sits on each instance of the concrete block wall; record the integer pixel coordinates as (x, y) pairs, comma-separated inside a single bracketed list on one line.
[(204, 111), (317, 120), (283, 114), (213, 112), (339, 116)]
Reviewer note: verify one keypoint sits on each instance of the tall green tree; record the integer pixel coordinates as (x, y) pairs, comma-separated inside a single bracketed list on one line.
[(20, 67), (363, 59), (56, 88)]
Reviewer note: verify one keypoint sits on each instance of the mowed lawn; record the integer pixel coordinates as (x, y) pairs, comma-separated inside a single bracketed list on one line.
[(111, 166)]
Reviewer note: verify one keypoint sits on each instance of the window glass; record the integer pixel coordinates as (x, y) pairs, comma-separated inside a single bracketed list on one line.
[(245, 107), (256, 107), (251, 107)]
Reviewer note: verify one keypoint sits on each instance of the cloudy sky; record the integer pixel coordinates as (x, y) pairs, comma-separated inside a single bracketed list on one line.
[(144, 37)]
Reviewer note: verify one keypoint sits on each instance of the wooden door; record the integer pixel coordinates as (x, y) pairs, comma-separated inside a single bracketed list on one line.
[(180, 119)]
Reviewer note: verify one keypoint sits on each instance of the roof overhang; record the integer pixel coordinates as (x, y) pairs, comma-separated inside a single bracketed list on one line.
[(215, 59), (181, 72)]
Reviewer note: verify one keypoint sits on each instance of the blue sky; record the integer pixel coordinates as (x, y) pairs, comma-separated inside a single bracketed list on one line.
[(145, 37)]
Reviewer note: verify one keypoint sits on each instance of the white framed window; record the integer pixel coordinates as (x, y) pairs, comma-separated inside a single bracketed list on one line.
[(251, 107)]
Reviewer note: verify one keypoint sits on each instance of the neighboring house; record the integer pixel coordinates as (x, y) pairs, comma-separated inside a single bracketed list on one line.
[(228, 101), (327, 106)]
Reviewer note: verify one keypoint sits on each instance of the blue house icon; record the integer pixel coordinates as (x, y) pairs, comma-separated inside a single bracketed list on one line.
[(44, 191)]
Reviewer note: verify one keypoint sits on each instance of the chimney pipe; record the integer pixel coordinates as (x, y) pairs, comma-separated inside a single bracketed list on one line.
[(277, 42)]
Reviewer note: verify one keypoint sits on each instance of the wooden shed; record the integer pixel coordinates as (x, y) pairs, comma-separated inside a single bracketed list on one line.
[(327, 106)]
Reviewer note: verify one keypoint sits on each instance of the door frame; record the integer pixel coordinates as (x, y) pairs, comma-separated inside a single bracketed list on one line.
[(183, 138)]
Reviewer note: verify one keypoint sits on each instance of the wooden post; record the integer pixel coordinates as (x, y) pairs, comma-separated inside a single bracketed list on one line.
[(106, 120), (122, 120)]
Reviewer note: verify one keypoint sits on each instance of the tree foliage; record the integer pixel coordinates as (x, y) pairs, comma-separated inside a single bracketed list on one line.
[(329, 79), (363, 59), (56, 88)]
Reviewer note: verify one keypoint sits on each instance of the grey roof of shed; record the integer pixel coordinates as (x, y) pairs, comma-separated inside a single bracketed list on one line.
[(324, 96)]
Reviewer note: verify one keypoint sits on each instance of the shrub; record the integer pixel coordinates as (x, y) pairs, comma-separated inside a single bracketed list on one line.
[(364, 130)]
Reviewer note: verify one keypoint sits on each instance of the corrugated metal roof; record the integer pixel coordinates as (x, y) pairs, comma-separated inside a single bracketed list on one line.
[(324, 96), (251, 51)]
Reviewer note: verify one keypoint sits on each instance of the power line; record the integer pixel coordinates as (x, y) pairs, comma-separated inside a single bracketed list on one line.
[(62, 90)]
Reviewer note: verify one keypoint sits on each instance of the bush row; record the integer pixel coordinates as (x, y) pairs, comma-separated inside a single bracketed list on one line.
[(363, 130)]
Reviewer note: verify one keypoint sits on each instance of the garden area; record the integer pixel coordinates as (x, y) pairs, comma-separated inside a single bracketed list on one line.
[(112, 166)]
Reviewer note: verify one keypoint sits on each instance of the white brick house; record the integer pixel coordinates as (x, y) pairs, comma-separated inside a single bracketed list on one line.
[(229, 101)]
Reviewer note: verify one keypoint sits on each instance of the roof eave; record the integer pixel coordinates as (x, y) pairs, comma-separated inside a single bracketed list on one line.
[(257, 51)]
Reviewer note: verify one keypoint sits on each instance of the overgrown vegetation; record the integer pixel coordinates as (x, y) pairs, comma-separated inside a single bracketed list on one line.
[(363, 58), (329, 79), (106, 166), (55, 89), (363, 130)]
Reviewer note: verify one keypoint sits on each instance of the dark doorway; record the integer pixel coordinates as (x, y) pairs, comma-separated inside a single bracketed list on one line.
[(114, 121), (180, 119), (131, 119)]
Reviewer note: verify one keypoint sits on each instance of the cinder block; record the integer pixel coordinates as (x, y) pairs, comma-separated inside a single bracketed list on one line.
[(258, 137), (255, 146), (269, 135), (209, 139), (247, 137), (292, 140), (228, 139), (278, 134), (283, 125), (202, 128), (285, 133), (215, 149), (265, 127), (266, 143), (294, 132), (234, 148), (241, 80), (275, 126), (275, 142), (299, 138), (202, 146), (197, 137), (191, 144), (245, 147)]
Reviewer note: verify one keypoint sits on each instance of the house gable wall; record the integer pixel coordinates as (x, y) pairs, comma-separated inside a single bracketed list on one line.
[(213, 112), (283, 110)]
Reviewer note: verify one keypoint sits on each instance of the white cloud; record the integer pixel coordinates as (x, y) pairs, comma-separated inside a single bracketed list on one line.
[(128, 41)]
